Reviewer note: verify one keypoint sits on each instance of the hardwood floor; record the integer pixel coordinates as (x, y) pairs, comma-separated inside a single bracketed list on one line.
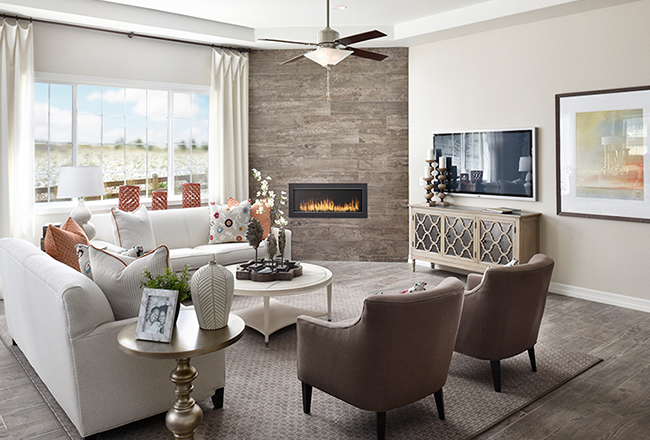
[(609, 401)]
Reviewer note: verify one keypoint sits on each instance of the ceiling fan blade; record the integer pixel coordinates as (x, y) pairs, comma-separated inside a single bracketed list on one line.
[(367, 54), (293, 59), (365, 36), (290, 42)]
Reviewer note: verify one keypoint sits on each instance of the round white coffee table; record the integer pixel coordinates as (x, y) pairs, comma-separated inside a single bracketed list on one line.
[(273, 315)]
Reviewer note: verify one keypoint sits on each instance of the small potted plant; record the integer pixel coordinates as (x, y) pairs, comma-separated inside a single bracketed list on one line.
[(169, 280)]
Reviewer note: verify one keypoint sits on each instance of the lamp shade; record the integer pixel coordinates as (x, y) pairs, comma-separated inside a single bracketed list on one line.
[(524, 164), (80, 182), (328, 57)]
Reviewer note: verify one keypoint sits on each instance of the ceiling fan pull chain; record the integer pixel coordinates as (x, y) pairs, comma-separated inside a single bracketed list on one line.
[(329, 69)]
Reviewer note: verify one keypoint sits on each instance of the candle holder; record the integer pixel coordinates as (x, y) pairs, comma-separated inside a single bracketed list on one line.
[(442, 186), (429, 185)]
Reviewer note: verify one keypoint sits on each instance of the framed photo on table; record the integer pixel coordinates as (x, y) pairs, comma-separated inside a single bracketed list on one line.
[(602, 154), (156, 317)]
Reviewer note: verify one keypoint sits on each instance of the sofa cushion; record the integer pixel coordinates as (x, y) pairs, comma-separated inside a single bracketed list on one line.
[(224, 254), (60, 242), (120, 279), (262, 215), (229, 225), (181, 228), (133, 228)]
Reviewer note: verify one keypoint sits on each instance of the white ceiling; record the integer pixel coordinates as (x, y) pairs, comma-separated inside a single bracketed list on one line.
[(291, 13), (244, 22)]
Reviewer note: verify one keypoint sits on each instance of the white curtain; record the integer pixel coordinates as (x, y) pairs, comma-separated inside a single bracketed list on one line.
[(228, 145), (16, 131)]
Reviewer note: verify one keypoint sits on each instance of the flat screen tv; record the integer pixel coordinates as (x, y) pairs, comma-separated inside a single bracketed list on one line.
[(489, 163)]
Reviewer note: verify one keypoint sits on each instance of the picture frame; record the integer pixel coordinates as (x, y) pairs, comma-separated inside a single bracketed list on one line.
[(156, 317), (602, 167)]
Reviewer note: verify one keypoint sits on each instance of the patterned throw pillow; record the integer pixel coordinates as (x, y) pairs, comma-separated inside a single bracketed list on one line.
[(60, 242), (126, 255), (263, 217), (229, 225), (120, 281)]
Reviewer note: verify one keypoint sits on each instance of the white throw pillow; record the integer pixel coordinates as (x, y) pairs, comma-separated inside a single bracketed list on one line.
[(126, 255), (229, 224), (133, 228), (120, 280)]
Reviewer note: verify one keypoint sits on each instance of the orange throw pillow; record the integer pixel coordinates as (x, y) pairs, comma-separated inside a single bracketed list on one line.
[(263, 217), (60, 242)]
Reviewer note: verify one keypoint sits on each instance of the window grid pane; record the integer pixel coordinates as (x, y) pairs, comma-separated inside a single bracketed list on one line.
[(190, 137), (125, 131)]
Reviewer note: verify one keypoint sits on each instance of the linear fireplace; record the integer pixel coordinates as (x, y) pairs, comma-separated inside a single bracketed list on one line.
[(330, 200)]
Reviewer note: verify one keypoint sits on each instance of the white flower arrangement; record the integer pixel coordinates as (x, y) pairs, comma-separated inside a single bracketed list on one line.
[(266, 199)]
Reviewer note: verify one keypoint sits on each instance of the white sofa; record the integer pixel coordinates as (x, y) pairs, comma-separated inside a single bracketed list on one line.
[(185, 232), (63, 323)]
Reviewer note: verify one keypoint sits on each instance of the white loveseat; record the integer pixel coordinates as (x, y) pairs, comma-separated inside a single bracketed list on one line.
[(63, 323), (185, 232)]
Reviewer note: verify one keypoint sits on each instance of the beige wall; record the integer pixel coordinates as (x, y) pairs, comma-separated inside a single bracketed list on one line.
[(60, 49), (508, 78)]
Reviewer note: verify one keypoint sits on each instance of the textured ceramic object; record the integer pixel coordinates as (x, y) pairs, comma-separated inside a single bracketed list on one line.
[(212, 291)]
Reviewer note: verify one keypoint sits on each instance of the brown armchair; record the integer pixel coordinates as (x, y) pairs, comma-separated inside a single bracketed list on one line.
[(397, 352), (503, 311)]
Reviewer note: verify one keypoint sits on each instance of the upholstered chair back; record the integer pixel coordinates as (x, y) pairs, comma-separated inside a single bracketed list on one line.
[(502, 314), (397, 352)]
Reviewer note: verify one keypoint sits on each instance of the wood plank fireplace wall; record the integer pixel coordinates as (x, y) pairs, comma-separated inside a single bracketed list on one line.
[(361, 136)]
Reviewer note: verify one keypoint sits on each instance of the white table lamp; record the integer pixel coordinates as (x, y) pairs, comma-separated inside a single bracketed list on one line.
[(81, 182), (525, 166)]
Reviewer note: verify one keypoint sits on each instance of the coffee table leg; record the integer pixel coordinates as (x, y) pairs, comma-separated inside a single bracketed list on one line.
[(329, 302), (185, 416), (266, 320)]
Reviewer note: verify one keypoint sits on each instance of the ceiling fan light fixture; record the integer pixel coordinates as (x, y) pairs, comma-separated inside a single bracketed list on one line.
[(326, 56)]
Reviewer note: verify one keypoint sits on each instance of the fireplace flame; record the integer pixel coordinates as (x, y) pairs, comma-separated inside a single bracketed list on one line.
[(327, 205)]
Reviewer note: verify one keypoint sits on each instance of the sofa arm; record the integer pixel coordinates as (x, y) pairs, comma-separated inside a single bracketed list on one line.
[(287, 247), (113, 388), (45, 296)]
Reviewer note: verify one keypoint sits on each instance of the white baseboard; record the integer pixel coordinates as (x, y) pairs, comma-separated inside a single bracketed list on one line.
[(612, 299)]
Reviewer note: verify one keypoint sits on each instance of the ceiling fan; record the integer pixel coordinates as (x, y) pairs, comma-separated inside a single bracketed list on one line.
[(330, 49)]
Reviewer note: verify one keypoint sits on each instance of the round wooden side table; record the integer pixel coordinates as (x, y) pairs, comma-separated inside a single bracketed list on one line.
[(188, 340)]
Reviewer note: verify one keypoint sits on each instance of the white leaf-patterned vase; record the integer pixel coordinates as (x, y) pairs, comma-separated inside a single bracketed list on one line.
[(212, 291)]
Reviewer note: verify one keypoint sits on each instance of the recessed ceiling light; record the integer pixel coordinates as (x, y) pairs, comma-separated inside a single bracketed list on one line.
[(339, 7)]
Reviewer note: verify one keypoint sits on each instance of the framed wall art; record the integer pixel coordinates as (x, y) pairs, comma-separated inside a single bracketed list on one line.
[(602, 154)]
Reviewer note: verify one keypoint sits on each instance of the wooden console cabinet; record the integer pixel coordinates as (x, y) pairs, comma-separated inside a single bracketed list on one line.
[(468, 238)]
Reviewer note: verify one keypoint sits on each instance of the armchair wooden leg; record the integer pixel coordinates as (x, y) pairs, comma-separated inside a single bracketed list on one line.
[(495, 366), (381, 425), (217, 398), (440, 404), (531, 355), (306, 398)]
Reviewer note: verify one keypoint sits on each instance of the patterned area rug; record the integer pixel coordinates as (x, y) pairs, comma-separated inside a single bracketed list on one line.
[(263, 395)]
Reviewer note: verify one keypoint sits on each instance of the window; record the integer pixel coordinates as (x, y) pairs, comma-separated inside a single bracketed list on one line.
[(154, 138)]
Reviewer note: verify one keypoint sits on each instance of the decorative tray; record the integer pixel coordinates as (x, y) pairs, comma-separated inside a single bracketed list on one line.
[(256, 271)]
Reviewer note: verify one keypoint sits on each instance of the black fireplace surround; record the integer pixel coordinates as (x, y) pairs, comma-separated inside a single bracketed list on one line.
[(328, 200)]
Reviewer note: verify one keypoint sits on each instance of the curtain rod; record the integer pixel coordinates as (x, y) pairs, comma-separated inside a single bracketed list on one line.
[(128, 34)]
